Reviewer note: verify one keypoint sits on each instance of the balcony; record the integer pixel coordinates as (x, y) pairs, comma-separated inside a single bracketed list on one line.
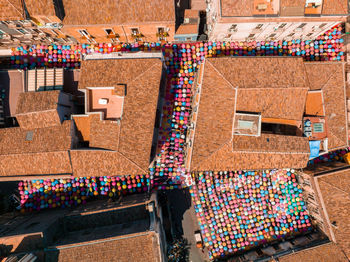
[(137, 37), (113, 36), (163, 34)]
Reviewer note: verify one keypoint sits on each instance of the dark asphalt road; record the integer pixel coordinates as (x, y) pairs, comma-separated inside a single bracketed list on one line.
[(184, 221)]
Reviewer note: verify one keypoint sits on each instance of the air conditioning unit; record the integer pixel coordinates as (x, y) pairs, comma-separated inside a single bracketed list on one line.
[(11, 24), (27, 24), (186, 20), (28, 36), (233, 30), (6, 37), (53, 25)]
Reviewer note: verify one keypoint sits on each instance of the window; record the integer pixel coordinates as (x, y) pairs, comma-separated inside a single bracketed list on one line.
[(84, 33), (29, 136), (135, 31), (109, 31), (282, 25), (323, 25), (244, 124), (306, 182), (161, 33), (22, 31), (272, 35), (290, 35), (302, 25), (309, 34), (251, 35), (318, 128), (259, 26), (233, 27), (37, 31)]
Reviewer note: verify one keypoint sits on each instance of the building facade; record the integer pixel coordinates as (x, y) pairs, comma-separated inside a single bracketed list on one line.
[(326, 192), (269, 20), (31, 22), (109, 22)]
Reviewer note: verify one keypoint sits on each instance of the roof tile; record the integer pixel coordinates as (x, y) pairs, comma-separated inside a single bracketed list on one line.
[(82, 12)]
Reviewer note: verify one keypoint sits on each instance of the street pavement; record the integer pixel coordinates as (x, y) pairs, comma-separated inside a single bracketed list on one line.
[(184, 222)]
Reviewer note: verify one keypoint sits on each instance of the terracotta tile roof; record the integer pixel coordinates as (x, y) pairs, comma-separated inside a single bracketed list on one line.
[(142, 247), (29, 102), (40, 7), (335, 190), (22, 243), (82, 123), (119, 71), (187, 29), (82, 12), (50, 139), (271, 143), (142, 77), (251, 72), (102, 163), (104, 133), (237, 7), (333, 7), (273, 103), (215, 147), (215, 115), (190, 13), (226, 159), (35, 164), (331, 81), (314, 104), (292, 7), (317, 80), (323, 253), (39, 119), (37, 109), (11, 10)]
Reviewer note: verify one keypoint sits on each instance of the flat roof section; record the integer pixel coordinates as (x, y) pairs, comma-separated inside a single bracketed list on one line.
[(105, 100)]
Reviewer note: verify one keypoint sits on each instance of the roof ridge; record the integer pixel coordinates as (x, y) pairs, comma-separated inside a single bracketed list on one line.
[(154, 64), (120, 124), (348, 193), (221, 74), (330, 76), (133, 162), (224, 144)]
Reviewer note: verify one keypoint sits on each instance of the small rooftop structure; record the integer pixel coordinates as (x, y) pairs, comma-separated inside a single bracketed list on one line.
[(247, 124)]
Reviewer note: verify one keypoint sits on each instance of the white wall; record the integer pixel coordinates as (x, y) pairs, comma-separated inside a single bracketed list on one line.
[(221, 31)]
